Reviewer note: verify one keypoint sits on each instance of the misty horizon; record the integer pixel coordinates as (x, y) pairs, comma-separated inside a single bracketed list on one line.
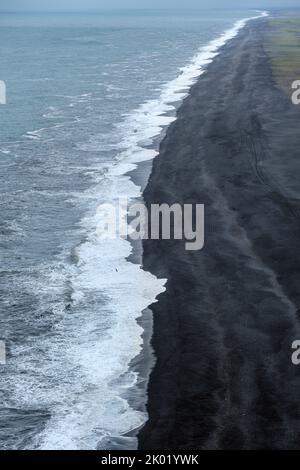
[(93, 6)]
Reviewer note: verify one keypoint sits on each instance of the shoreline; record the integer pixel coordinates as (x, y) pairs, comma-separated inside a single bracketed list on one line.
[(223, 378), (144, 363)]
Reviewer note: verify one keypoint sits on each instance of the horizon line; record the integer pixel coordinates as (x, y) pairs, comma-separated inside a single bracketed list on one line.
[(130, 9)]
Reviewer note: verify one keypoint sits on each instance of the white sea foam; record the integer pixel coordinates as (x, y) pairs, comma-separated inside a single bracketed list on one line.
[(96, 343)]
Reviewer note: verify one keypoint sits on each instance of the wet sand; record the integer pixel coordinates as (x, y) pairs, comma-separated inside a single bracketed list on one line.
[(223, 331)]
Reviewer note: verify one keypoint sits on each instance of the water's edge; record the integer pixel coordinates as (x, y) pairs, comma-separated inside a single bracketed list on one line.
[(144, 363)]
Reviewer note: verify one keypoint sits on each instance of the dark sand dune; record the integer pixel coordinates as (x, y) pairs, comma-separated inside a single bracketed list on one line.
[(224, 328)]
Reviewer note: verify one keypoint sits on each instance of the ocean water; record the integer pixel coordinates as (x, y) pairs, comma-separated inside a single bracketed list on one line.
[(88, 97)]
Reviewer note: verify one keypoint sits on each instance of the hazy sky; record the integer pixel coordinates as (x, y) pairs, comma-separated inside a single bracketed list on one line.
[(81, 5)]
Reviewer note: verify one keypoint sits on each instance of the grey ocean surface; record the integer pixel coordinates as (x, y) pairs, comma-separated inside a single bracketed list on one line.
[(83, 94)]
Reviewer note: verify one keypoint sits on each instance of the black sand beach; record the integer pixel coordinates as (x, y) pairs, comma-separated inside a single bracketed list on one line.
[(223, 330)]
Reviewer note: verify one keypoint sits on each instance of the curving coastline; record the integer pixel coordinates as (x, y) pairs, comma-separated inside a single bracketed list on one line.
[(223, 329)]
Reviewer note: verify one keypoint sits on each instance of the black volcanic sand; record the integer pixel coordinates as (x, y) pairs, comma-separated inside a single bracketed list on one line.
[(223, 330)]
